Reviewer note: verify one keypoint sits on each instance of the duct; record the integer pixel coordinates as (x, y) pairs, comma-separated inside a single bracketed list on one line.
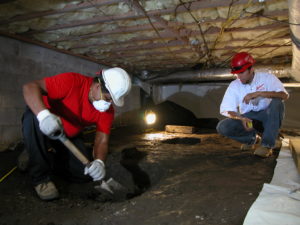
[(294, 18), (220, 74), (143, 85)]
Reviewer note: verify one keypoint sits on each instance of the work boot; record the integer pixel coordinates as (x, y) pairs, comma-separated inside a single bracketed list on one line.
[(46, 190), (23, 161), (246, 147), (263, 152)]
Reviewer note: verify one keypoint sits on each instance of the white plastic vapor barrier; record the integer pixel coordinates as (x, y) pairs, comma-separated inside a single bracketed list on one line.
[(279, 202)]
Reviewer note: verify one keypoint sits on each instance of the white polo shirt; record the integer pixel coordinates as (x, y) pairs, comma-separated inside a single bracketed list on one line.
[(236, 91)]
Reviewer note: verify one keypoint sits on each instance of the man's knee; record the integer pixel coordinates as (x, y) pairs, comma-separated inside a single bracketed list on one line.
[(28, 118), (276, 103), (221, 127)]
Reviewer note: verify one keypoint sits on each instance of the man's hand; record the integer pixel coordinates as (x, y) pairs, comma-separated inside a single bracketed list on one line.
[(247, 123), (250, 96), (49, 123), (96, 170)]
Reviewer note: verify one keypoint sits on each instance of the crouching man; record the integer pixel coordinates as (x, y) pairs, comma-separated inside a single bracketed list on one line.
[(67, 103), (254, 106)]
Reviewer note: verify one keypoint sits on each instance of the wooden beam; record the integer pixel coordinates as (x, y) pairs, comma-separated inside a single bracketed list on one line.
[(179, 43), (150, 54), (68, 8), (134, 53), (135, 42), (121, 30), (203, 4), (159, 26)]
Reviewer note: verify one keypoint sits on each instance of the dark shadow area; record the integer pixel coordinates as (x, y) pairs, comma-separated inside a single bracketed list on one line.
[(207, 123), (130, 159), (170, 113), (183, 141)]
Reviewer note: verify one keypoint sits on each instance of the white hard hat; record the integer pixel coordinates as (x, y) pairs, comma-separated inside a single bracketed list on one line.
[(118, 83)]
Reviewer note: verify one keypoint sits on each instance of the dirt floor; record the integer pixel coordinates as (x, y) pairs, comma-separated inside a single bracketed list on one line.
[(201, 178)]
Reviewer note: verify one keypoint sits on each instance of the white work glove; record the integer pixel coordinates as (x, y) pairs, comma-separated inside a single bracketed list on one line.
[(95, 169), (49, 123)]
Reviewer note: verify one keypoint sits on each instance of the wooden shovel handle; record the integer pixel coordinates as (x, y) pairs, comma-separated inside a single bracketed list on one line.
[(74, 150)]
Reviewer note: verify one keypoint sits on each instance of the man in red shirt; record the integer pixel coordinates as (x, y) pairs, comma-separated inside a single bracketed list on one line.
[(67, 103)]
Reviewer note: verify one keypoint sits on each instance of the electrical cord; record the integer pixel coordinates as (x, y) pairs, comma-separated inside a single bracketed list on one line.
[(258, 43), (230, 20), (208, 53), (157, 32), (271, 18), (7, 174), (113, 19), (285, 44), (253, 41)]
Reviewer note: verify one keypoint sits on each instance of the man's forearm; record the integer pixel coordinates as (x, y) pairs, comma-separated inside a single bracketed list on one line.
[(100, 152), (273, 94), (100, 146), (234, 115)]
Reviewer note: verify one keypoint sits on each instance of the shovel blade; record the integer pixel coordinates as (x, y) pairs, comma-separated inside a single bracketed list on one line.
[(111, 190), (114, 185)]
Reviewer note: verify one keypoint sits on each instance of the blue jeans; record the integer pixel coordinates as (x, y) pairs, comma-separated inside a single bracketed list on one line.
[(42, 163), (270, 118)]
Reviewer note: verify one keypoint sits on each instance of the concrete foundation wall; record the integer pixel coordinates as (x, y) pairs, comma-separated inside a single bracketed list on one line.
[(22, 62), (204, 100)]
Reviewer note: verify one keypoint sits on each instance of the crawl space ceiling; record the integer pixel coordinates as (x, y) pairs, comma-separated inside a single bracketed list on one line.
[(154, 36)]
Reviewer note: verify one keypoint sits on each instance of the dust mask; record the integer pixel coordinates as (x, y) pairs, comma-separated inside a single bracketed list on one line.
[(101, 105)]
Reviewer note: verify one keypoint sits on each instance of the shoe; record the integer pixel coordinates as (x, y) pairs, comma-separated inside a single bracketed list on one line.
[(46, 191), (23, 161), (263, 152), (246, 147)]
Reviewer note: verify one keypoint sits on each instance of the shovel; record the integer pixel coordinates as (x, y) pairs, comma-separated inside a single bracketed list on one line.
[(108, 188)]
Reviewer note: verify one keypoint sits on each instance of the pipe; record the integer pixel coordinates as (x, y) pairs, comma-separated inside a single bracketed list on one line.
[(294, 18), (143, 85), (220, 74)]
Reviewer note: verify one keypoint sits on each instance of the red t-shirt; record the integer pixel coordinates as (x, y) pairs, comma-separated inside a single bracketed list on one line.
[(68, 98)]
